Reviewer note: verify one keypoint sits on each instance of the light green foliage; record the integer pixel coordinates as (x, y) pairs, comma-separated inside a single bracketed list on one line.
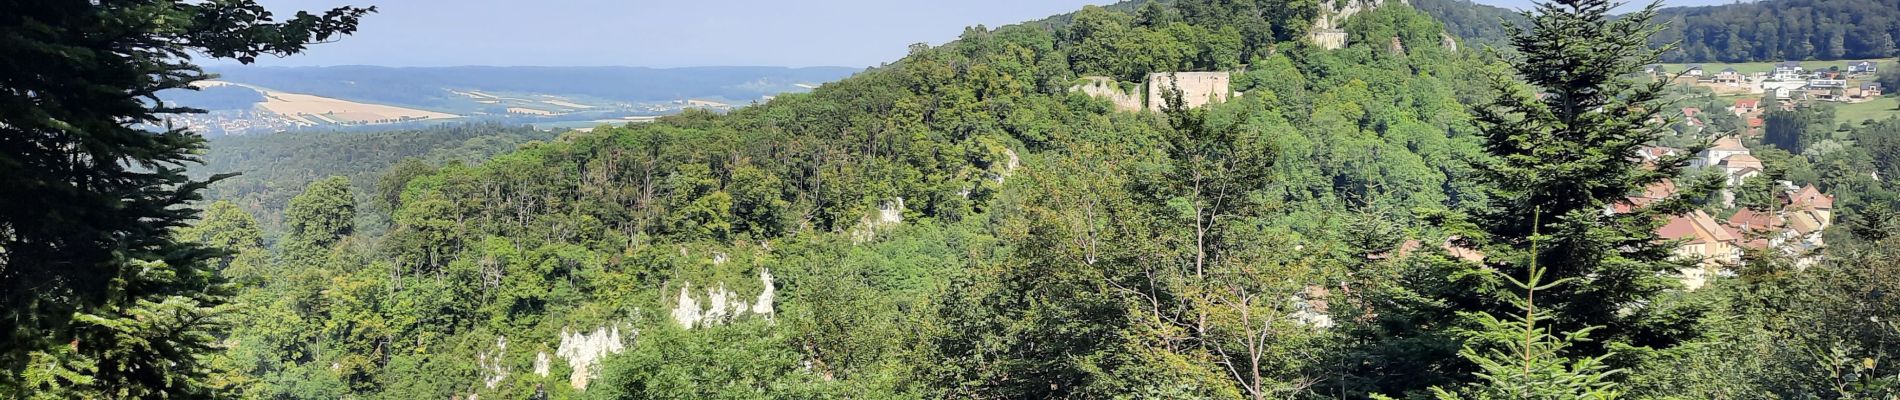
[(322, 215), (1049, 247)]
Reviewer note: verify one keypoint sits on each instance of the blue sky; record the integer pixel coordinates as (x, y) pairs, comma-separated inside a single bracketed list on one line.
[(673, 33)]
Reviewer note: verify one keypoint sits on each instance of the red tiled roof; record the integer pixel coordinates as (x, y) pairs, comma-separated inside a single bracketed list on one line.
[(1679, 228), (1729, 143), (1811, 197), (1707, 224), (1659, 190), (1756, 221)]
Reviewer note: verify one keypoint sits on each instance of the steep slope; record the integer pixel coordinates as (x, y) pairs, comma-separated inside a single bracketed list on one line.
[(959, 223)]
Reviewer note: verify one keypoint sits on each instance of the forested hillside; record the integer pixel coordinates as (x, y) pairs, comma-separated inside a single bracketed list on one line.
[(1769, 30), (272, 168), (1784, 30), (963, 224)]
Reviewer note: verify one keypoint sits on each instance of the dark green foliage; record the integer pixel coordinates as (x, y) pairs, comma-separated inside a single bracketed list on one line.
[(96, 294), (278, 166), (1479, 23), (1783, 30), (1560, 143), (958, 224), (1741, 32), (1566, 157), (1521, 359), (1794, 131)]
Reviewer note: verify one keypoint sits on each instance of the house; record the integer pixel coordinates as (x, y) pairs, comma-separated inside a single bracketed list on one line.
[(1739, 168), (1723, 148), (1655, 69), (1728, 76), (1788, 71), (1702, 239), (1652, 154), (1690, 117), (1811, 199), (1745, 106), (1866, 90), (1695, 71), (1862, 67), (1828, 94), (1783, 93), (1827, 83)]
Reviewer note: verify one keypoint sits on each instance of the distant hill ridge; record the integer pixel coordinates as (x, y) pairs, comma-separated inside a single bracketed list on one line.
[(1768, 30), (426, 86)]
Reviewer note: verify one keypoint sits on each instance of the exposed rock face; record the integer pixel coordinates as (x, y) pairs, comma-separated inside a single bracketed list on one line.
[(1106, 88), (490, 363), (723, 305), (583, 353), (541, 364), (1330, 39), (888, 213), (687, 312), (1327, 31), (1198, 89)]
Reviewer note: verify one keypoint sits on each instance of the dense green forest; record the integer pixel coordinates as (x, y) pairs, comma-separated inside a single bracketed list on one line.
[(1746, 31), (272, 168), (960, 224), (1394, 219), (1784, 30)]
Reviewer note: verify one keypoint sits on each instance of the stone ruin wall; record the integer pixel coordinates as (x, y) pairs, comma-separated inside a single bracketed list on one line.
[(1198, 89), (1103, 87)]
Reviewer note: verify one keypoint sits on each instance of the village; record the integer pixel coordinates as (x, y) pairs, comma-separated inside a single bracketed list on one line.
[(1789, 83), (1792, 229)]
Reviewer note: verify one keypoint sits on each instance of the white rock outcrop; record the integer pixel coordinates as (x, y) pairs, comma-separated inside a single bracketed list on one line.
[(584, 351), (722, 305), (490, 363), (687, 312), (541, 364), (888, 213)]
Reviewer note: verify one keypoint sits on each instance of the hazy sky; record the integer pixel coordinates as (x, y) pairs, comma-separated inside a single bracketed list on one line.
[(669, 33)]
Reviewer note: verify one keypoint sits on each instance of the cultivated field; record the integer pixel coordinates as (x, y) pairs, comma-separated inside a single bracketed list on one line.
[(319, 110)]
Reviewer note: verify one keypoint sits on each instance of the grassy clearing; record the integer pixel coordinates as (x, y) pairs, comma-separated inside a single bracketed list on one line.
[(1882, 108)]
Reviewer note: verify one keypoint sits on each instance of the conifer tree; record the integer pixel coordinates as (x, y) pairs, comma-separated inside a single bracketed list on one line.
[(1525, 359), (1563, 147), (98, 297)]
